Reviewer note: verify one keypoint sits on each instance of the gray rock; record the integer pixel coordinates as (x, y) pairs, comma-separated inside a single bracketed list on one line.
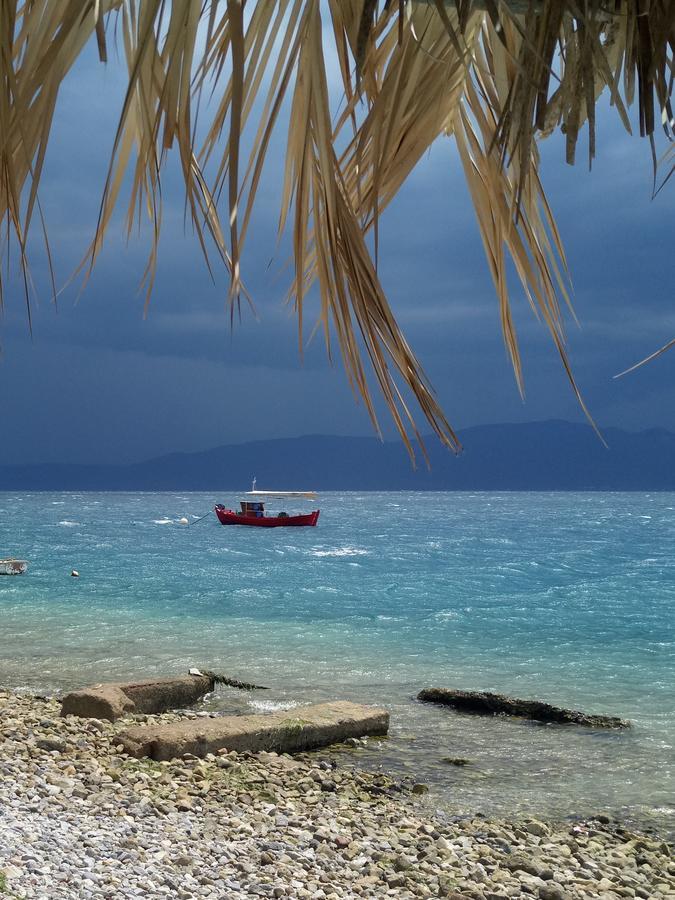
[(51, 743), (523, 864), (551, 892)]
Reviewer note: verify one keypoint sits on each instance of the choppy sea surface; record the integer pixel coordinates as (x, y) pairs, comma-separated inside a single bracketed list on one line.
[(566, 597)]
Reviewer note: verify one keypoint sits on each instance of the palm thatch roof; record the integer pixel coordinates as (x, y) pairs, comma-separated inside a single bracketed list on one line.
[(494, 75)]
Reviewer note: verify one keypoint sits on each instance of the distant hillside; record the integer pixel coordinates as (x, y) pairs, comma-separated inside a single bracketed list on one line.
[(536, 456)]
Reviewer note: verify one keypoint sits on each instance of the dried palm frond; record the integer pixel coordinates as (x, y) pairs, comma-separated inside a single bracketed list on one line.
[(496, 75)]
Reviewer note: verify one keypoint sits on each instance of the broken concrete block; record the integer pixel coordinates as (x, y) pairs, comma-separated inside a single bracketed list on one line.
[(303, 728), (110, 701)]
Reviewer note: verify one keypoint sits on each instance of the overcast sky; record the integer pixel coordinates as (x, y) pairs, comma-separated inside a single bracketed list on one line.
[(99, 383)]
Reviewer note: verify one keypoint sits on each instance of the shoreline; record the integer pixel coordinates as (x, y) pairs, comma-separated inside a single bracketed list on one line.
[(79, 819)]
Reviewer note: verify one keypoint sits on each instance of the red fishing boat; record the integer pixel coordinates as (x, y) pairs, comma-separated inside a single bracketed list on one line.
[(253, 511)]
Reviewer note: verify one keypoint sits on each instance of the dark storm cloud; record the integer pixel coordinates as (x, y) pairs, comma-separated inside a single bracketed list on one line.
[(102, 382)]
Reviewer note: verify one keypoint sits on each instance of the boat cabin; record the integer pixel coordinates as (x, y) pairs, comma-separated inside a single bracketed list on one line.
[(253, 508), (256, 510)]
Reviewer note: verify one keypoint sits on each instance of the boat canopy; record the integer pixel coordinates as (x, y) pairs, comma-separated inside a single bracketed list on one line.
[(283, 495)]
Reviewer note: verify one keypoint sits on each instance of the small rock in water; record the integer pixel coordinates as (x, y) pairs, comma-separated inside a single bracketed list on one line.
[(420, 788), (456, 761)]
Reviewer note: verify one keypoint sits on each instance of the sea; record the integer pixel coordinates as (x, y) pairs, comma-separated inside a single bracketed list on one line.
[(563, 597)]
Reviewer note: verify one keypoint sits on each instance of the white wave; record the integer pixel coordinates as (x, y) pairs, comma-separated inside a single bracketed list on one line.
[(319, 589), (164, 521), (273, 705), (68, 524), (341, 551), (227, 551), (248, 592), (446, 614)]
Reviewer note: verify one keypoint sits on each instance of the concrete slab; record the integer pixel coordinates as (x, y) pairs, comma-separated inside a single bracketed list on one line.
[(110, 701), (303, 728)]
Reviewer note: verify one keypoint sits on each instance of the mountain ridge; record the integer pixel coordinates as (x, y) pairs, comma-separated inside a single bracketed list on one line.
[(550, 455)]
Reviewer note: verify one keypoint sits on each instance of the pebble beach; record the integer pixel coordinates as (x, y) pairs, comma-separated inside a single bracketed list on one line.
[(80, 819)]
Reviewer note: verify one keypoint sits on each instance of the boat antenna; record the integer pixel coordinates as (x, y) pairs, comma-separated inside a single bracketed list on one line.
[(253, 485)]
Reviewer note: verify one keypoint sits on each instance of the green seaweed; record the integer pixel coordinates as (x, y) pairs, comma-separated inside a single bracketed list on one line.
[(3, 886), (293, 725)]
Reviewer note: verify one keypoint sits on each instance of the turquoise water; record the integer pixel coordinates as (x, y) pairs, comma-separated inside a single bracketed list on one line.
[(563, 597)]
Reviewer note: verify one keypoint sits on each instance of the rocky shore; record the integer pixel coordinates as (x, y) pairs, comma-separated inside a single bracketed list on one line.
[(80, 819)]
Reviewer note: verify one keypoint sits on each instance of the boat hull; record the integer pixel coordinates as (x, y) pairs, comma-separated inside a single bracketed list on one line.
[(13, 566), (230, 517)]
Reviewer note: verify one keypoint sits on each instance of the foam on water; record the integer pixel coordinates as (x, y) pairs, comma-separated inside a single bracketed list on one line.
[(564, 597), (339, 551), (273, 705)]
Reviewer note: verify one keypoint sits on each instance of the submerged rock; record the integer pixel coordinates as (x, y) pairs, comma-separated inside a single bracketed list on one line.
[(486, 703), (420, 788)]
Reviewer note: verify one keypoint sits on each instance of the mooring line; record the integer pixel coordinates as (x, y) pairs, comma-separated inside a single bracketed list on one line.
[(199, 519)]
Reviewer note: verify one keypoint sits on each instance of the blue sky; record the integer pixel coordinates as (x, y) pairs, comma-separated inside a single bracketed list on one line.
[(98, 382)]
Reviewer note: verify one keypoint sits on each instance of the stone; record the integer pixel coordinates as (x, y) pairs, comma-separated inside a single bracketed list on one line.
[(486, 703), (112, 701), (551, 892), (300, 729), (538, 829), (87, 823), (104, 701), (51, 743), (522, 864)]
